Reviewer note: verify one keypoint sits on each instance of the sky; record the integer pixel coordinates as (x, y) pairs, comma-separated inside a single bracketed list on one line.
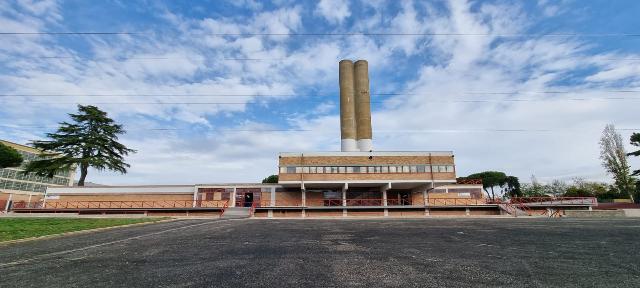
[(211, 91)]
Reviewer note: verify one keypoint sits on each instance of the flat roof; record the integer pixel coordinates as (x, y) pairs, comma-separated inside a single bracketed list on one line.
[(373, 153), (20, 146)]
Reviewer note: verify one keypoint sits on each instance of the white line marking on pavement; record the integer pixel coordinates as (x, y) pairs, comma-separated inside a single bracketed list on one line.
[(3, 265)]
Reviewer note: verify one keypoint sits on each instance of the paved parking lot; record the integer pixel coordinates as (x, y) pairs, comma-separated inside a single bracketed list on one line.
[(336, 253)]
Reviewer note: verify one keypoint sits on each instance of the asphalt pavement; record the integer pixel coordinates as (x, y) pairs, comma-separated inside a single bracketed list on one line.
[(336, 253)]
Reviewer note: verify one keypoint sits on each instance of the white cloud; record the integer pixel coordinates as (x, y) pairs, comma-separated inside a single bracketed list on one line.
[(334, 11)]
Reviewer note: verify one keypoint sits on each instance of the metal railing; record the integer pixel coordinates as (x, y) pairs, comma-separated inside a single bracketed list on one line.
[(120, 204), (555, 200), (455, 201), (329, 202)]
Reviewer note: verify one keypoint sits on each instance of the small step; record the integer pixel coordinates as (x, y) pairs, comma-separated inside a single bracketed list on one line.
[(236, 213)]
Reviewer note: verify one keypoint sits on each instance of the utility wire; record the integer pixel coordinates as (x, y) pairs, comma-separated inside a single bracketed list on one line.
[(296, 95), (340, 34), (319, 101), (414, 131)]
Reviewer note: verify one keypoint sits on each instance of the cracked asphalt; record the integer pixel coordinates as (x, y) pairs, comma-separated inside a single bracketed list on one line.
[(336, 253)]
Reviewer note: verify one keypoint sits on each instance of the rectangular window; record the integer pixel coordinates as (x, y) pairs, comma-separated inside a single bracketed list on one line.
[(349, 169), (405, 169), (291, 169), (420, 169), (372, 169), (413, 169), (305, 170), (283, 169), (341, 169), (320, 169), (449, 168), (385, 169), (392, 169), (357, 169), (298, 169), (334, 169), (313, 170)]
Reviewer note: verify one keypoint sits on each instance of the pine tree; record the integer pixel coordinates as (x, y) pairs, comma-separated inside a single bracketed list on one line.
[(90, 141)]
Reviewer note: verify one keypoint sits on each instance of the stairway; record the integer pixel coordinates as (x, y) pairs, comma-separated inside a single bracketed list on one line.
[(236, 213), (512, 210)]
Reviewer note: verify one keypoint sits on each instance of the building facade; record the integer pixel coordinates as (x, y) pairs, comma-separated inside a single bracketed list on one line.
[(20, 186)]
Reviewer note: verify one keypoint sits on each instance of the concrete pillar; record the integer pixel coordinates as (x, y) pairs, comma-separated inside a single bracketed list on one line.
[(233, 198), (363, 105), (272, 201), (467, 212), (426, 212), (344, 199), (347, 107), (6, 207), (270, 213), (344, 194), (29, 202), (304, 198), (195, 196)]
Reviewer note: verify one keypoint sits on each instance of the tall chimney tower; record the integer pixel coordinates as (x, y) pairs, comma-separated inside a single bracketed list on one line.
[(363, 105), (347, 107), (355, 106)]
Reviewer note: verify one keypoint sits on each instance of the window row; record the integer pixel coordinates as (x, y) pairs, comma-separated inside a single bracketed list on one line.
[(28, 157), (15, 174), (366, 169), (22, 186)]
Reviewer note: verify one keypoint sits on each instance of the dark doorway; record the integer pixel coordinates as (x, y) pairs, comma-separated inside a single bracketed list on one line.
[(398, 197), (248, 199)]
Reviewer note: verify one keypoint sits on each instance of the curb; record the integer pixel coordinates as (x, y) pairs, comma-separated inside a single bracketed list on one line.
[(51, 236)]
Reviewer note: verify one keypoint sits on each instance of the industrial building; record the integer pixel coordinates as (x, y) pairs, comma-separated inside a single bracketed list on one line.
[(18, 186), (356, 181)]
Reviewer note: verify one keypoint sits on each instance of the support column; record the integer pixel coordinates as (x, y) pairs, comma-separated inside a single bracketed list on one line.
[(272, 201), (467, 212), (384, 198), (426, 212), (270, 213), (344, 199), (233, 198), (304, 198), (195, 196), (29, 202), (6, 207)]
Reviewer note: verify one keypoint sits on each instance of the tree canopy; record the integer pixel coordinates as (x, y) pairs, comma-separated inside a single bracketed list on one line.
[(614, 160), (9, 157), (270, 179), (91, 140), (492, 180), (635, 141)]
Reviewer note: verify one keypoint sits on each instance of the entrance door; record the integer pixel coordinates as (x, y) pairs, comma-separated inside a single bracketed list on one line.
[(248, 199), (405, 198)]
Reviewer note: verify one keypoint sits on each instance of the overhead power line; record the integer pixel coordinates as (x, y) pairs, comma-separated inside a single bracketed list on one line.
[(410, 131), (248, 34), (297, 95), (318, 101)]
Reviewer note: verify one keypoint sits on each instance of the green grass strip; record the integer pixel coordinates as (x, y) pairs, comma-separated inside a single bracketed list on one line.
[(19, 228)]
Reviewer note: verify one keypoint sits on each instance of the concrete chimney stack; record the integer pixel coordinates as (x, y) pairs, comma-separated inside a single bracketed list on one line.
[(355, 106), (347, 107), (363, 105)]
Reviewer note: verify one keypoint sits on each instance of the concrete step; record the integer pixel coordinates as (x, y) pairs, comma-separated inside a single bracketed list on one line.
[(236, 213)]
